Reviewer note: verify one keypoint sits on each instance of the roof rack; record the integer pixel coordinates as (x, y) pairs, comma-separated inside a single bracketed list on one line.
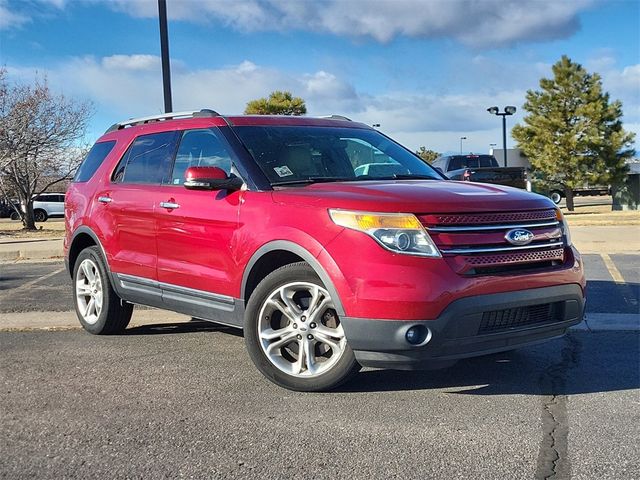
[(205, 112), (337, 117)]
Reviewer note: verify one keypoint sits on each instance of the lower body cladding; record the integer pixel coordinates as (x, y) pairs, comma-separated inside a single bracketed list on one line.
[(468, 327)]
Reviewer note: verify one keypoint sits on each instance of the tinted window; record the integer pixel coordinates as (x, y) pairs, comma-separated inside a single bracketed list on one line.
[(93, 160), (472, 161), (200, 148), (148, 159), (291, 153)]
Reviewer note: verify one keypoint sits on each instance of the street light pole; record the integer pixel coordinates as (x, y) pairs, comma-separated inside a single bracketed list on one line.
[(508, 110), (504, 137), (461, 139), (164, 49)]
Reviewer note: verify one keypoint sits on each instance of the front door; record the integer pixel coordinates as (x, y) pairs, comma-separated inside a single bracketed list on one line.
[(196, 231)]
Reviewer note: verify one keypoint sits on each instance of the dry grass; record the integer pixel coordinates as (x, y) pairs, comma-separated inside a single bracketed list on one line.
[(13, 229), (601, 215)]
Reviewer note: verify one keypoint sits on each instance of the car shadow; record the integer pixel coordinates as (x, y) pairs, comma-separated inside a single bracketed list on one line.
[(193, 326), (580, 362)]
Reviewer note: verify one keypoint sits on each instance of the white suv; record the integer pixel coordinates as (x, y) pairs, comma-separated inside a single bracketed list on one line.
[(48, 205)]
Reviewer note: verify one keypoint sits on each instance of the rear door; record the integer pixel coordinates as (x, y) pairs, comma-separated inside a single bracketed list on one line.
[(124, 208), (196, 229)]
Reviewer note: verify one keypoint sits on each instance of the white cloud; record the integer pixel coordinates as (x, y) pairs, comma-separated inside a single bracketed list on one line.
[(11, 19), (124, 86), (132, 62), (476, 23)]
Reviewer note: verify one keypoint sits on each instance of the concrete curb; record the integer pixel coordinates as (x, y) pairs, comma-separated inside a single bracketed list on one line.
[(30, 249), (68, 320), (602, 322)]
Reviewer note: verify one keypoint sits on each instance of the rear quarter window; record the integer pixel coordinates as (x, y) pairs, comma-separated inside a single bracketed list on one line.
[(93, 160)]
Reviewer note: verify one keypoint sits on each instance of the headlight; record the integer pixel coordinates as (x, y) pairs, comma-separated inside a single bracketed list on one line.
[(398, 232), (566, 234)]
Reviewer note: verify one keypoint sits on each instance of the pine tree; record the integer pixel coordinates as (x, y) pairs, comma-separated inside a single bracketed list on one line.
[(427, 155), (573, 134), (278, 103)]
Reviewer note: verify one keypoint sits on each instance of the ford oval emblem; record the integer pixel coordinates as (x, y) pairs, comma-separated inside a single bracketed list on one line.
[(519, 236)]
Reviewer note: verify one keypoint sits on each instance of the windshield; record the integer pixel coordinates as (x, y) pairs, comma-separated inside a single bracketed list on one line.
[(303, 154)]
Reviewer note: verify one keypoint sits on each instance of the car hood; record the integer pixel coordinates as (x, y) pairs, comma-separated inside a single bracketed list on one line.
[(415, 196)]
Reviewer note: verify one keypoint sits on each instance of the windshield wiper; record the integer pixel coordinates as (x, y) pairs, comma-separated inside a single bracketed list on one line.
[(311, 180), (404, 176)]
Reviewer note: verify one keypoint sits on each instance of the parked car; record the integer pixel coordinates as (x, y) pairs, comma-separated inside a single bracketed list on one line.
[(6, 209), (45, 205), (482, 168), (48, 205), (262, 223), (556, 191)]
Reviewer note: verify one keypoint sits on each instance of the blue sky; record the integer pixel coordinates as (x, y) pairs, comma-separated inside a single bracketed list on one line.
[(425, 70)]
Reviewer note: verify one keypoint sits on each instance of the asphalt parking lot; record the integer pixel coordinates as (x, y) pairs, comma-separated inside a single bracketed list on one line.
[(184, 400), (45, 286)]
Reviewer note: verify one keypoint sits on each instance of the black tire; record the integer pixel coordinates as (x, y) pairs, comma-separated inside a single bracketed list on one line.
[(40, 215), (332, 371), (114, 315), (14, 216), (556, 196)]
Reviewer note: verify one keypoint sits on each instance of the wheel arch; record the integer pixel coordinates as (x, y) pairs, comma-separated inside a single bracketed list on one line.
[(82, 238), (276, 254)]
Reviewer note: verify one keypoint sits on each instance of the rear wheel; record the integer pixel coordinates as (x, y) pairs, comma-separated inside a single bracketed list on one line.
[(556, 196), (98, 308), (15, 216), (40, 215), (293, 333)]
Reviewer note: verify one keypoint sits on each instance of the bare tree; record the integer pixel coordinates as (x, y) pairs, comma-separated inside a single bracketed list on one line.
[(40, 137)]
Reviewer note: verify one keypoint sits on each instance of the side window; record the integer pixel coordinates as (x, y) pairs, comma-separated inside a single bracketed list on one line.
[(147, 160), (200, 148), (93, 160)]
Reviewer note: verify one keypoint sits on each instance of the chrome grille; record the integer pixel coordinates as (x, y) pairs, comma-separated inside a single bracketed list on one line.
[(475, 243), (519, 257), (495, 217)]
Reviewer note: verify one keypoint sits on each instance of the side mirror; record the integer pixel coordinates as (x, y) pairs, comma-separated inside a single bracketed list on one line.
[(210, 178)]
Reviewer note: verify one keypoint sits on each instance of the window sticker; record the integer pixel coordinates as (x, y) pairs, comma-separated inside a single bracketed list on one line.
[(283, 171)]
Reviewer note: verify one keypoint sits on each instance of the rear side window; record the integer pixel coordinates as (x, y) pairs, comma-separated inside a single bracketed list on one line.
[(93, 160), (148, 159)]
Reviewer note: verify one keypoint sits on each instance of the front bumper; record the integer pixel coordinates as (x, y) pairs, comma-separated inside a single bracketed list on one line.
[(468, 327)]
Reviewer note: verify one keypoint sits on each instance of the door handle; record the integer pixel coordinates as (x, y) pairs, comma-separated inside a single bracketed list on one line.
[(105, 200), (169, 205)]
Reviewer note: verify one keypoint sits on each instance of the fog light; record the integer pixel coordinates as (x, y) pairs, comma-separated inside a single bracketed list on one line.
[(417, 334)]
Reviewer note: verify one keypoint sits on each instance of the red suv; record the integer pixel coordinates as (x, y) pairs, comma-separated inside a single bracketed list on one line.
[(330, 244)]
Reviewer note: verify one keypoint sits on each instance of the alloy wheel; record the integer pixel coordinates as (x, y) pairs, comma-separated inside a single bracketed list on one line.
[(299, 330), (89, 293)]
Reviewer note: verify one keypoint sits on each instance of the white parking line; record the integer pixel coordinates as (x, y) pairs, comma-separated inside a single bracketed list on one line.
[(613, 270), (39, 279)]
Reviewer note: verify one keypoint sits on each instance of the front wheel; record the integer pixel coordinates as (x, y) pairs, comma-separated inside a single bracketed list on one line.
[(98, 307), (556, 196), (293, 333), (40, 215)]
